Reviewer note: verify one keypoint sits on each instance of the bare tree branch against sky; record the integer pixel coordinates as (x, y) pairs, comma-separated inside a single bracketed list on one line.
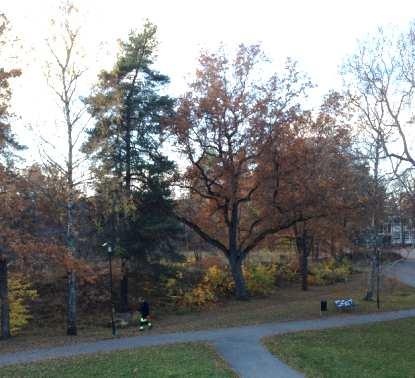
[(318, 34)]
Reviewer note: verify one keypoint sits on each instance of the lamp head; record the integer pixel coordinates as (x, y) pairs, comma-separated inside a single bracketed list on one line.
[(109, 247)]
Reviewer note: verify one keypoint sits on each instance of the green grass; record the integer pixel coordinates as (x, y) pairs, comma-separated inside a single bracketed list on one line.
[(179, 360), (379, 350)]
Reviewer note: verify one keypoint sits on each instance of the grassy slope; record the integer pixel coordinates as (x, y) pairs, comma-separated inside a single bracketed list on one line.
[(378, 350), (180, 360)]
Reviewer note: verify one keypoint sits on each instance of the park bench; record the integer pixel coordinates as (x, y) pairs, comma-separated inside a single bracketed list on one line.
[(345, 304)]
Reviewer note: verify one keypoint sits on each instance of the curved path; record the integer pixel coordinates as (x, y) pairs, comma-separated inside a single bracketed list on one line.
[(403, 270), (240, 346)]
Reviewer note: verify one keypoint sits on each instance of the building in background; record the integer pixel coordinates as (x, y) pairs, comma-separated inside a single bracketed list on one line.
[(398, 231)]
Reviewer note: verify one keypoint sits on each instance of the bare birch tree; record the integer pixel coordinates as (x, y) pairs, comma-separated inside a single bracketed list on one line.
[(381, 82), (381, 79), (64, 72)]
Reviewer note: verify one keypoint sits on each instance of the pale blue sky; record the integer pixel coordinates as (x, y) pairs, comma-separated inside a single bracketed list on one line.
[(319, 34)]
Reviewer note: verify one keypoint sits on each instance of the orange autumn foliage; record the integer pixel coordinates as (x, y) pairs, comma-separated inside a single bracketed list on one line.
[(25, 229), (258, 163)]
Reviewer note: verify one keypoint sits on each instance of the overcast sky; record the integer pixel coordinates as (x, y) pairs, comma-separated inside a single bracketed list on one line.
[(318, 33)]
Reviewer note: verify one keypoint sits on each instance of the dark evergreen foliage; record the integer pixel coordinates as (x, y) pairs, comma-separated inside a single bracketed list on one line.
[(133, 176)]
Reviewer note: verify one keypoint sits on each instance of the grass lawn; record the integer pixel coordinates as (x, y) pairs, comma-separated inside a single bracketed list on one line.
[(285, 304), (378, 350), (179, 360)]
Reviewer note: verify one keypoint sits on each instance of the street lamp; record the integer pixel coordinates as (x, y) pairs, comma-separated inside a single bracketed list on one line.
[(110, 251)]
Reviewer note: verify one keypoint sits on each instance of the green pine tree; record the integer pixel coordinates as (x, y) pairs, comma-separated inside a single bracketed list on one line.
[(132, 174)]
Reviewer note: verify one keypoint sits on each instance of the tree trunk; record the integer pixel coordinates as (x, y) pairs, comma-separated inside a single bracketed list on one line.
[(304, 270), (241, 291), (371, 282), (71, 322), (378, 262), (124, 304), (316, 251), (71, 328), (332, 247), (4, 297), (304, 246)]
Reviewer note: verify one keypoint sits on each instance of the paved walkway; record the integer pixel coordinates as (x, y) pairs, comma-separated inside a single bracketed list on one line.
[(240, 346), (403, 270)]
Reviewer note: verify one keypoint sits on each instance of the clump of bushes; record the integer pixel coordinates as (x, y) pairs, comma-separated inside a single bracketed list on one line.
[(195, 287), (287, 272), (329, 272), (260, 278), (216, 283)]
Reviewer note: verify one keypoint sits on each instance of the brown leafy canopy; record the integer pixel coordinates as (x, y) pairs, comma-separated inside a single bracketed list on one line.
[(31, 224), (259, 164), (256, 158), (226, 126)]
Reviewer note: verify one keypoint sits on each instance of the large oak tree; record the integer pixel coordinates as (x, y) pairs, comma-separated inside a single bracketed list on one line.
[(230, 126), (257, 163)]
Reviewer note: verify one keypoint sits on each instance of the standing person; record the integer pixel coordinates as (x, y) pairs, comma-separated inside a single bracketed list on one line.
[(144, 314)]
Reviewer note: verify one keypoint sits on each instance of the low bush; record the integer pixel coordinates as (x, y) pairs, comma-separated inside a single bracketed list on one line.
[(191, 288), (216, 283), (260, 278), (330, 271), (287, 272), (219, 280)]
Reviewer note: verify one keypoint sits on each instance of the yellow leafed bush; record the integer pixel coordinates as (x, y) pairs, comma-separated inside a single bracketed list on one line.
[(260, 278), (288, 272), (216, 282), (329, 272), (19, 293), (198, 297)]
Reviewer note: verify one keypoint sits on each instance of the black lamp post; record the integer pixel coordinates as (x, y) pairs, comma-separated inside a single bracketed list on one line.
[(379, 242), (110, 251)]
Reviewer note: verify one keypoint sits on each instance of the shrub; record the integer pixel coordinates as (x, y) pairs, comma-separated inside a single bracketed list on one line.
[(219, 281), (314, 281), (260, 278), (177, 285), (216, 283), (330, 271), (287, 272), (20, 293), (198, 297)]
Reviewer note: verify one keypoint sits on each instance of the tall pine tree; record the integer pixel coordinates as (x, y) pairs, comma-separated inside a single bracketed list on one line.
[(133, 177)]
